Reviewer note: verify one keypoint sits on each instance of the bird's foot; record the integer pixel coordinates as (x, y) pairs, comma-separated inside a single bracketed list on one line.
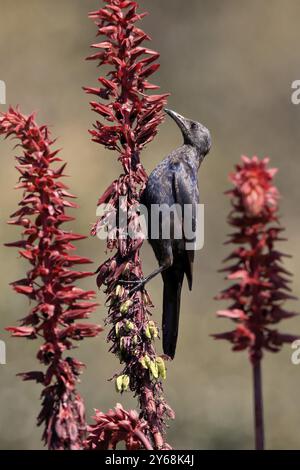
[(138, 287), (136, 281)]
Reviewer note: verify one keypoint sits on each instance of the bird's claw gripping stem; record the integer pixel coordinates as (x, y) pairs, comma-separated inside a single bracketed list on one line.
[(136, 281), (138, 287)]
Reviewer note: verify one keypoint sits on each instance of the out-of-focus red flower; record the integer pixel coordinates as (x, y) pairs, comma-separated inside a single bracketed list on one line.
[(254, 183), (59, 304), (260, 283), (129, 117)]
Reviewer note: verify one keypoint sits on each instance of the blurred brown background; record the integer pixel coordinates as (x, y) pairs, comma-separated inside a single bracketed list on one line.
[(229, 64)]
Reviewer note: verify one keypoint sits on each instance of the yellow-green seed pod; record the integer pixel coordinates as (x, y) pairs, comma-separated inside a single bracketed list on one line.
[(119, 383), (122, 383), (161, 367), (117, 329), (125, 306), (134, 340), (145, 362), (153, 329), (125, 382), (148, 361), (154, 370), (119, 290), (129, 325), (148, 333)]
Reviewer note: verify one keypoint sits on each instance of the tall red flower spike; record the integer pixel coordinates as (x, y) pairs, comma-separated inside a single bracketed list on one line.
[(260, 282), (60, 305), (129, 120)]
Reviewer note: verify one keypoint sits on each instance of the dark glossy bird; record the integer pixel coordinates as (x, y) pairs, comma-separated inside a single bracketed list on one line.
[(175, 181)]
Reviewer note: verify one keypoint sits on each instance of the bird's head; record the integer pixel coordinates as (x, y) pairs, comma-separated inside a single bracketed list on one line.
[(193, 132)]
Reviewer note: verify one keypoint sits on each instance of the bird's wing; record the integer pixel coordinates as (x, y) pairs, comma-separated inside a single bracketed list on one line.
[(186, 193)]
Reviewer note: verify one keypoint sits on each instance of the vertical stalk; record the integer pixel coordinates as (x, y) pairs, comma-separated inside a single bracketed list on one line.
[(260, 278), (258, 406), (125, 101)]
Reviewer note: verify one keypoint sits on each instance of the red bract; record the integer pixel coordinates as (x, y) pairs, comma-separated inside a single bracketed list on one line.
[(117, 426), (129, 118), (50, 281), (260, 283)]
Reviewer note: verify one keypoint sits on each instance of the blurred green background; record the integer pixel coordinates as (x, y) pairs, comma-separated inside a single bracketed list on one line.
[(228, 64)]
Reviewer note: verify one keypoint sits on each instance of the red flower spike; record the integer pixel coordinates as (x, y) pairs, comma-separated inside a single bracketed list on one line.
[(128, 120), (59, 304), (260, 284)]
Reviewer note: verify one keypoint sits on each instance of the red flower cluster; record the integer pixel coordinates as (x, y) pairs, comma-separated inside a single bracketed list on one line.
[(133, 116), (60, 305), (129, 120), (117, 426), (261, 284), (254, 183)]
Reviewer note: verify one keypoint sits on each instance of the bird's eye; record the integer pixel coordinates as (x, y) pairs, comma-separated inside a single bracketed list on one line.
[(193, 126)]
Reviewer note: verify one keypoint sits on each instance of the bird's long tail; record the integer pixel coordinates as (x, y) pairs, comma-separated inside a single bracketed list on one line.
[(173, 278)]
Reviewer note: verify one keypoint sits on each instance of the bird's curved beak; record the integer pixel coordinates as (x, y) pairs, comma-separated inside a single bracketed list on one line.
[(180, 120)]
